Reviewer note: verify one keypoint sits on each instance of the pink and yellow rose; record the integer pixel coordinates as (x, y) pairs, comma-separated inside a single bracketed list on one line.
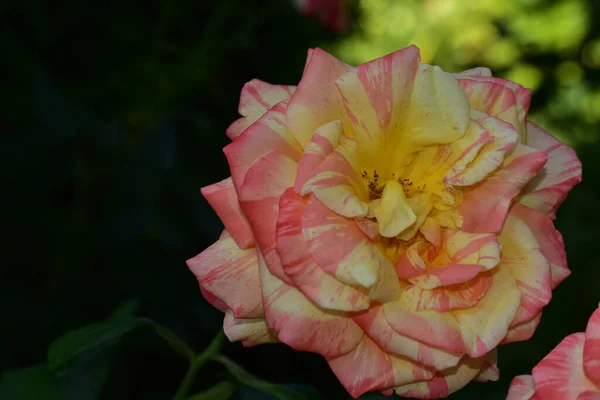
[(570, 372), (392, 217)]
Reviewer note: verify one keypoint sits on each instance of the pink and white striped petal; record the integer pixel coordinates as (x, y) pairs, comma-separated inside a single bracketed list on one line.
[(484, 208), (591, 349), (448, 381), (376, 326), (257, 98), (325, 290), (368, 368), (477, 71), (223, 199), (562, 171), (337, 184), (522, 331), (268, 134), (376, 97), (301, 324), (549, 239), (521, 388), (474, 331), (230, 274), (522, 256), (251, 332), (342, 250), (316, 101), (560, 375)]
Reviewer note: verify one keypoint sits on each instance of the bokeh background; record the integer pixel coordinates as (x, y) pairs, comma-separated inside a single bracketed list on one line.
[(114, 116)]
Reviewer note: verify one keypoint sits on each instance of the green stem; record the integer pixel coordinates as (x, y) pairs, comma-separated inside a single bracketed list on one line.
[(208, 353)]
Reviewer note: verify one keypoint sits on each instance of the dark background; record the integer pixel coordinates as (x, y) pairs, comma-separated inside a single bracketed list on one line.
[(113, 117)]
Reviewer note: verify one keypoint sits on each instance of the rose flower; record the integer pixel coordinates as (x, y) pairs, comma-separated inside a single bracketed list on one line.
[(392, 217), (570, 372)]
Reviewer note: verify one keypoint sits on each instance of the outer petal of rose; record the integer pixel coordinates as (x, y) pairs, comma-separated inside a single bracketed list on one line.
[(265, 182), (523, 331), (223, 199), (591, 349), (489, 371), (336, 182), (589, 396), (521, 388), (368, 368), (477, 71), (562, 171), (322, 143), (497, 97), (231, 274), (491, 156), (445, 382), (299, 265), (474, 331), (522, 256), (549, 239), (560, 375), (250, 332), (485, 207), (343, 251), (257, 97), (301, 324), (379, 330), (376, 97), (316, 101), (268, 134), (442, 299), (213, 300)]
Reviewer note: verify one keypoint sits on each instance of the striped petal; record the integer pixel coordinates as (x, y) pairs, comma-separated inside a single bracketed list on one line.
[(549, 239), (337, 184), (497, 97), (343, 251), (368, 368), (522, 256), (474, 331), (562, 171), (316, 101), (230, 274), (301, 324), (560, 375), (448, 381), (376, 97), (591, 349), (298, 263), (484, 208), (521, 388), (223, 199), (376, 326), (268, 134), (250, 332), (523, 331), (257, 98)]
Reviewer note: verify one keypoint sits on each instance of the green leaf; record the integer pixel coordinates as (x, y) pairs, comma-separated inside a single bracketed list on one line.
[(177, 344), (221, 391), (280, 392), (33, 383), (64, 349)]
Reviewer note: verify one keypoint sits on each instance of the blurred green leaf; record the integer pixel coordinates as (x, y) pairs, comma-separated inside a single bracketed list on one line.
[(177, 344), (221, 391), (35, 382), (280, 392), (64, 349)]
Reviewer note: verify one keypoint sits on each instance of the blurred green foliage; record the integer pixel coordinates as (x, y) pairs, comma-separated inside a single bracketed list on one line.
[(114, 117)]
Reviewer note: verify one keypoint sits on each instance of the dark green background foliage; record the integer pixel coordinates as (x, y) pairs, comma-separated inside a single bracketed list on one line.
[(113, 117)]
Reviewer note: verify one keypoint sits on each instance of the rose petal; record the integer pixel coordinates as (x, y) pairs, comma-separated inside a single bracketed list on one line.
[(250, 332), (301, 324), (562, 171), (223, 199), (368, 368), (230, 274), (326, 291), (521, 388), (256, 98), (591, 349), (316, 101), (523, 331)]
